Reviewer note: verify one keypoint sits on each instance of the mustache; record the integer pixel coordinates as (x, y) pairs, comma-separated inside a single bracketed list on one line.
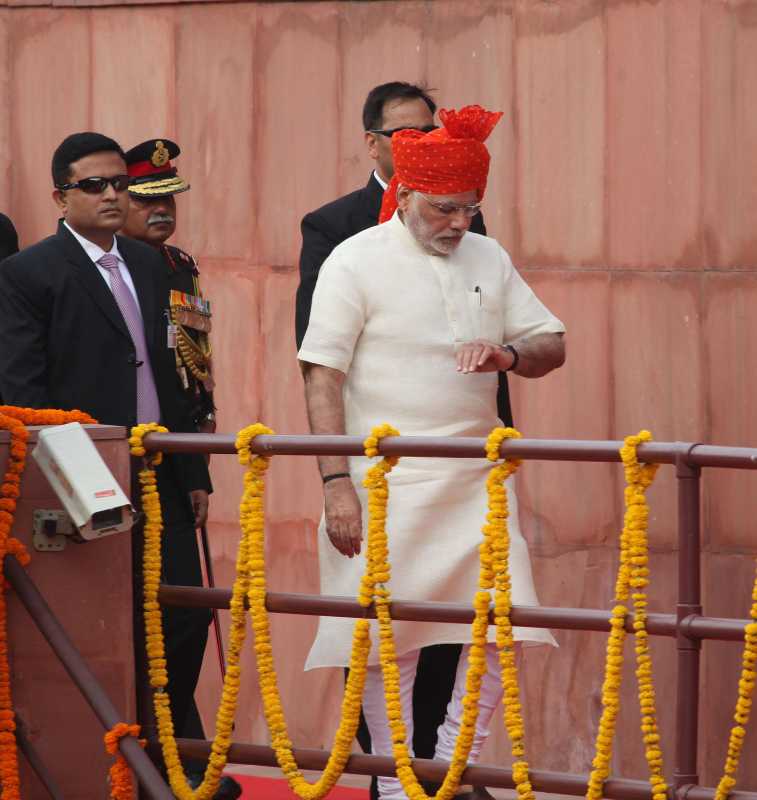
[(158, 219)]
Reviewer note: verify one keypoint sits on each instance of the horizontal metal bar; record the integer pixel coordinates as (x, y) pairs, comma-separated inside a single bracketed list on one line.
[(581, 619), (725, 629), (428, 770), (48, 625), (425, 769), (705, 793), (459, 447)]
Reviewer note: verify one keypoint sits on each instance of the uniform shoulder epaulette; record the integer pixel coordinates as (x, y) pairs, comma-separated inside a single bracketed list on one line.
[(181, 260)]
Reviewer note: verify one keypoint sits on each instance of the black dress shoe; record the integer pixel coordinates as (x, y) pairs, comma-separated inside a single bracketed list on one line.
[(228, 788)]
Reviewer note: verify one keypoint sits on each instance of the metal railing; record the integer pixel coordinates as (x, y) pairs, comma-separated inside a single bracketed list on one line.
[(687, 625), (84, 679)]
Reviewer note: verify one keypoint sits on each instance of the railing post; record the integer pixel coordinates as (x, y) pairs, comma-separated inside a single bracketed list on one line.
[(689, 603)]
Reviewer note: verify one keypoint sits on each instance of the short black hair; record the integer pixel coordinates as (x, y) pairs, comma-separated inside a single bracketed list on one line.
[(373, 109), (76, 146)]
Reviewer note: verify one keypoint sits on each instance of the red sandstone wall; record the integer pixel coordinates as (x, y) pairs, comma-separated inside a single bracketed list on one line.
[(624, 184)]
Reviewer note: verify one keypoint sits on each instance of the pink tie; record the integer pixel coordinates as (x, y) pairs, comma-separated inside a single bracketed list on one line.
[(148, 406)]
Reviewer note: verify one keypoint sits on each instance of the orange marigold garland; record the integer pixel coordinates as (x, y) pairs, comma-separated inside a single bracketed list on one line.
[(633, 577), (121, 785), (14, 420), (743, 703), (495, 553), (253, 531)]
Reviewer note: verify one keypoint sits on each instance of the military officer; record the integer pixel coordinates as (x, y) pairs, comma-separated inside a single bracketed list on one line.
[(152, 219)]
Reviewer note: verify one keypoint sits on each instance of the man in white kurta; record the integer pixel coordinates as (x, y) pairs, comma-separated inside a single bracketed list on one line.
[(410, 322)]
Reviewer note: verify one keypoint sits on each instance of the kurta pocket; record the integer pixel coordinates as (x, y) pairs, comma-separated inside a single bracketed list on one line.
[(486, 317)]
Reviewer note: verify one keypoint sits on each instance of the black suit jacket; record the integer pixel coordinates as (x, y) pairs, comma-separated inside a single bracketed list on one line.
[(8, 238), (330, 225), (64, 343)]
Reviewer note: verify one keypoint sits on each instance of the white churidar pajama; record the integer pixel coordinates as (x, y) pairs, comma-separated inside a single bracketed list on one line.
[(374, 709)]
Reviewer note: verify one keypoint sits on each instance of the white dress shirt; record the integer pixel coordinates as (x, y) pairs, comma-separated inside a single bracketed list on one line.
[(95, 252), (381, 182)]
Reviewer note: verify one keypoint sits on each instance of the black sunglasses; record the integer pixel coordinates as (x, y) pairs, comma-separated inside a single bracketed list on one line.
[(98, 185), (391, 131)]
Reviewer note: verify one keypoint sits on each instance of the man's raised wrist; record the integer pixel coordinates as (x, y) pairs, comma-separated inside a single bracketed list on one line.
[(514, 353), (335, 476)]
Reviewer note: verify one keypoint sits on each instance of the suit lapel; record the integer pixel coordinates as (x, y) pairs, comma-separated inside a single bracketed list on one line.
[(91, 278), (373, 194), (144, 283)]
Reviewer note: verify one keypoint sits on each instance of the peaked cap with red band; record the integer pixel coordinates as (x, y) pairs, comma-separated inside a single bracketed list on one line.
[(449, 160), (151, 171)]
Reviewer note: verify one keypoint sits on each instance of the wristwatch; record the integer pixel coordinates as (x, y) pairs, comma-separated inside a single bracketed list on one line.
[(516, 357)]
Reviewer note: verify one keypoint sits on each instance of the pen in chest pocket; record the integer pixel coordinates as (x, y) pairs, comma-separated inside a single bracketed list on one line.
[(479, 294)]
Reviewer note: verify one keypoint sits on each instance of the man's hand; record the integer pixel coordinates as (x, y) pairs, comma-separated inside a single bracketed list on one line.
[(208, 425), (200, 502), (481, 355), (344, 524)]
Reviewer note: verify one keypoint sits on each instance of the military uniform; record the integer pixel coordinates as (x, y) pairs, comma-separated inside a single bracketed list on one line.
[(153, 176), (153, 180), (187, 306)]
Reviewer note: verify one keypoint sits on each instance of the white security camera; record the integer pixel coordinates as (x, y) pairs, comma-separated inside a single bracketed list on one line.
[(90, 494)]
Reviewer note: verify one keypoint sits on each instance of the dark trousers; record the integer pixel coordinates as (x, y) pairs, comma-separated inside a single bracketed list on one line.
[(185, 630), (432, 690)]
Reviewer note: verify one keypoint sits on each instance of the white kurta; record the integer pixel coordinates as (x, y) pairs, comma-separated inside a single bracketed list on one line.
[(390, 316)]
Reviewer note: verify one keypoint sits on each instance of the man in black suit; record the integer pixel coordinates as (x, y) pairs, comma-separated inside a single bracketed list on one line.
[(388, 108), (8, 243), (8, 238), (82, 325)]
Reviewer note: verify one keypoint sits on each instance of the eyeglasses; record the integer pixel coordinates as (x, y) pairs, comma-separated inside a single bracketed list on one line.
[(391, 131), (448, 209), (98, 185)]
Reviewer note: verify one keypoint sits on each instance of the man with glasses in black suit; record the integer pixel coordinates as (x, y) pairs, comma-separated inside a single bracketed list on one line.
[(389, 108), (83, 325)]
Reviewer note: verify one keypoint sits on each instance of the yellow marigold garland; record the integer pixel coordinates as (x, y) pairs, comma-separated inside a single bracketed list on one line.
[(743, 703), (378, 574), (633, 577), (495, 552), (157, 672), (253, 532)]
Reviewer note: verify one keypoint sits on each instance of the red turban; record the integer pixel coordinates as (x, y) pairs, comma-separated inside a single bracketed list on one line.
[(449, 160)]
